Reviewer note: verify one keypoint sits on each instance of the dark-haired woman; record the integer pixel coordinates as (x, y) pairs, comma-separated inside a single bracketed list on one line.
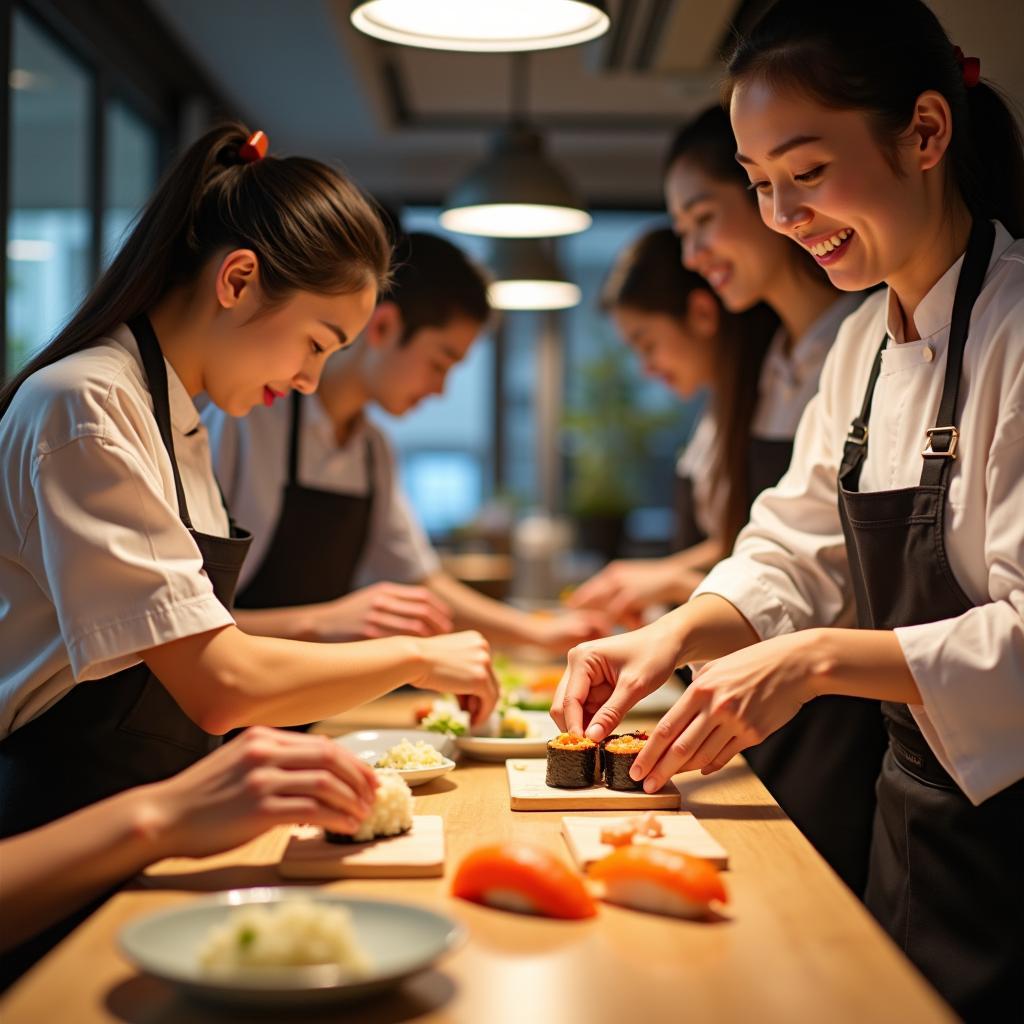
[(120, 661), (872, 141), (822, 766), (338, 552)]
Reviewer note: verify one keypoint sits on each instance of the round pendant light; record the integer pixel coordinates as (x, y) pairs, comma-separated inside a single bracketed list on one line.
[(483, 26), (527, 276), (515, 193)]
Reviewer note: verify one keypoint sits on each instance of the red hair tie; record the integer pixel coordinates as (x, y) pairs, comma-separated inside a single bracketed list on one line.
[(970, 67), (254, 148)]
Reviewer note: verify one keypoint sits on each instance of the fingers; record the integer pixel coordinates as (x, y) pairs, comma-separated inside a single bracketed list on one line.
[(577, 685), (558, 700), (319, 784), (672, 724), (594, 593), (413, 615), (297, 810), (608, 716), (724, 756), (678, 753)]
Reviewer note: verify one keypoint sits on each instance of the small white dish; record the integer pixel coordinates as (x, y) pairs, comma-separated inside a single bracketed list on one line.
[(370, 745), (400, 940), (500, 748)]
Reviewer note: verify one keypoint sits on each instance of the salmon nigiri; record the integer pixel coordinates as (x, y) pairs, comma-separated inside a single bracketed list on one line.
[(659, 881), (523, 878)]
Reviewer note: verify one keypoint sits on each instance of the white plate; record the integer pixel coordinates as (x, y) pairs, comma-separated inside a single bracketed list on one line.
[(500, 748), (400, 940), (370, 745)]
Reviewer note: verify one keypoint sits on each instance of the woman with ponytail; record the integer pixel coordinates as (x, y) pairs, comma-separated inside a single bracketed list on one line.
[(872, 141), (120, 662)]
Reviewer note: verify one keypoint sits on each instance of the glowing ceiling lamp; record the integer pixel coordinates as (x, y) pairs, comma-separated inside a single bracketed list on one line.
[(484, 26), (527, 276), (516, 192)]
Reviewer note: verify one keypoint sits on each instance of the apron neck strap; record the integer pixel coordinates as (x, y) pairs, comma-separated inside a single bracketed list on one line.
[(156, 377), (293, 438)]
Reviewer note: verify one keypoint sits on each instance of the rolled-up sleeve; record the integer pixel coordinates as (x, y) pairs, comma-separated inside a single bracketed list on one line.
[(120, 568), (970, 670)]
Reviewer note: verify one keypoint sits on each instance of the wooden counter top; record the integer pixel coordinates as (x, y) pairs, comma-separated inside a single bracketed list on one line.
[(797, 947)]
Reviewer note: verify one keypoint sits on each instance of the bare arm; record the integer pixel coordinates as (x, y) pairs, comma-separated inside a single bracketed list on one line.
[(226, 679), (264, 778), (503, 624)]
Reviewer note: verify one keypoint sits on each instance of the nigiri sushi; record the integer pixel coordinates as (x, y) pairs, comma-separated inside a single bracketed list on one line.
[(659, 881), (523, 878)]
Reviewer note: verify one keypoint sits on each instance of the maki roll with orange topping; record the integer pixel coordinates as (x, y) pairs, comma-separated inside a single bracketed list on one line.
[(617, 756), (572, 761)]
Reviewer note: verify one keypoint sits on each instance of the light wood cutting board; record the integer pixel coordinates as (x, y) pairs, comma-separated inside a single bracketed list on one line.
[(529, 792), (419, 853), (683, 832)]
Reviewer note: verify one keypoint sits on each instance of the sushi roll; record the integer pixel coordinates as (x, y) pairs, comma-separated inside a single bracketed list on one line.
[(617, 756), (659, 881), (391, 814), (572, 761), (522, 878)]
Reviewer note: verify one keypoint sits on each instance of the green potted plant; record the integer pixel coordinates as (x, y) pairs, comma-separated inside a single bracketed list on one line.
[(609, 434)]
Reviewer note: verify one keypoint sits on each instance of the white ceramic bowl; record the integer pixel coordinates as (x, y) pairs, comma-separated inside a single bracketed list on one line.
[(500, 748), (372, 744), (399, 938)]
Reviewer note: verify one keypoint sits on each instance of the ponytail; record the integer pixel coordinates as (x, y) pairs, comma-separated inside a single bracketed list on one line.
[(310, 227), (878, 56)]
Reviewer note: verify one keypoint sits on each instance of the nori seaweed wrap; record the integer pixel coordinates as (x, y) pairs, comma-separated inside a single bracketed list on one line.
[(572, 762), (617, 756)]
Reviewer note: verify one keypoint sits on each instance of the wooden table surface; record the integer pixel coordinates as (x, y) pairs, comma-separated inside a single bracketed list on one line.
[(796, 946)]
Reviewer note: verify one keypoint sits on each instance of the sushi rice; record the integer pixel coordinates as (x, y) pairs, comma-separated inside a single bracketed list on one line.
[(294, 933), (405, 756), (391, 814)]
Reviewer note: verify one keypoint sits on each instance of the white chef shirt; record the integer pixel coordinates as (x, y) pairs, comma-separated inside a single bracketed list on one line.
[(789, 568), (789, 380), (95, 563), (250, 458), (787, 383)]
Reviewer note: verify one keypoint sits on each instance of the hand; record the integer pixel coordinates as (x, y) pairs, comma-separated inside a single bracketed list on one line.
[(605, 678), (461, 663), (733, 703), (383, 609), (624, 589), (265, 777), (561, 631)]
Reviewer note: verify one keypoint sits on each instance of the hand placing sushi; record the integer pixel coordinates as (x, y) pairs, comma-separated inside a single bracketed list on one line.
[(732, 703), (460, 663), (605, 678), (560, 632)]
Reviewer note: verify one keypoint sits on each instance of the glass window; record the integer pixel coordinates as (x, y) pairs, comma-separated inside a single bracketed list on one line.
[(49, 234), (131, 169)]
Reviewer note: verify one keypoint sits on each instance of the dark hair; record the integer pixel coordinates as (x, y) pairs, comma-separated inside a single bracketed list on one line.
[(433, 282), (649, 276), (310, 227), (878, 56), (708, 142)]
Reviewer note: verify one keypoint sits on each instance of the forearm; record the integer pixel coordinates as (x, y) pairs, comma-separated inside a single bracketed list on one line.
[(226, 679), (51, 871), (859, 663), (296, 623), (708, 627), (500, 623)]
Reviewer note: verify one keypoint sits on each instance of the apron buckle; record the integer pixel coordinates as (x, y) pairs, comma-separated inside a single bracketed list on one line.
[(854, 437), (929, 451)]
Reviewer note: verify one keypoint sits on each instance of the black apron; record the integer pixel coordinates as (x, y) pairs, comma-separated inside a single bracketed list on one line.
[(946, 878), (107, 735), (318, 541), (822, 765)]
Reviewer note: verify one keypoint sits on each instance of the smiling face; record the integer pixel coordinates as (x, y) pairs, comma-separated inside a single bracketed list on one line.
[(670, 349), (723, 237), (399, 374), (823, 180), (259, 354)]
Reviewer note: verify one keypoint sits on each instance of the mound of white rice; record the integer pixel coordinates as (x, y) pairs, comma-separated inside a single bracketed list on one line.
[(406, 755), (392, 808), (292, 933)]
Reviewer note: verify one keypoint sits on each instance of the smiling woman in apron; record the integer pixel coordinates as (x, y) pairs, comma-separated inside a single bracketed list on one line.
[(870, 140), (120, 662), (319, 466), (684, 337)]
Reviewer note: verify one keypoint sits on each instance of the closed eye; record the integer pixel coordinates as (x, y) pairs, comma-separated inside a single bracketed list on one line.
[(759, 186), (318, 349), (812, 175)]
